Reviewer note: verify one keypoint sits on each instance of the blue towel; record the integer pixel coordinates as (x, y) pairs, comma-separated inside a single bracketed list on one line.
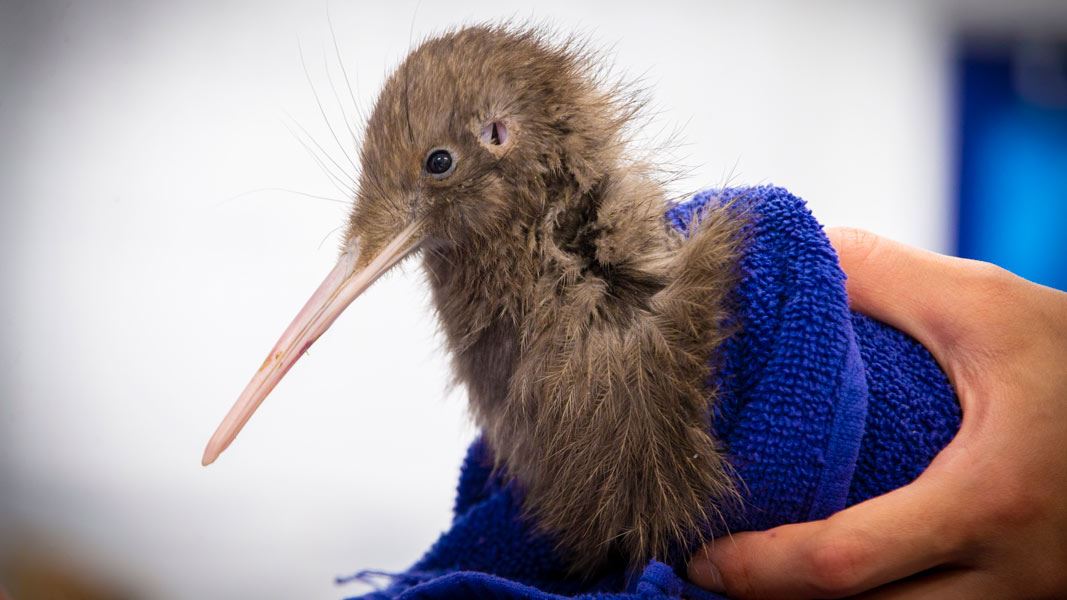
[(819, 408)]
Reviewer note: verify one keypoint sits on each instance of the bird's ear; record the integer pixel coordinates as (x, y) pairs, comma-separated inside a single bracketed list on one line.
[(497, 134)]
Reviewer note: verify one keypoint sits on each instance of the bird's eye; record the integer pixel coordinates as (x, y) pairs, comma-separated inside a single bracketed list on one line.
[(439, 163)]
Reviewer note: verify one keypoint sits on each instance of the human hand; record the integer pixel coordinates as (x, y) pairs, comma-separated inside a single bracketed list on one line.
[(988, 518)]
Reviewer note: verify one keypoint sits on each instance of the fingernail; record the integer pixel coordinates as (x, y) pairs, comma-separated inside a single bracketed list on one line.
[(704, 573)]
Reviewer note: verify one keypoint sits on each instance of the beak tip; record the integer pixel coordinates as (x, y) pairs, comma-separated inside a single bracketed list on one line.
[(209, 456), (348, 279)]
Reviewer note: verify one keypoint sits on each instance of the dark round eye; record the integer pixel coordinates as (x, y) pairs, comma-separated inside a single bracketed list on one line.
[(439, 163)]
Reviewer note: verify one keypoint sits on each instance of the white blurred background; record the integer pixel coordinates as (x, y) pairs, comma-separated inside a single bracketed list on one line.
[(150, 255)]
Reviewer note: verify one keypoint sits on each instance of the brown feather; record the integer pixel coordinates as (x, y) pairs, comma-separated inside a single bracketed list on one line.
[(581, 323)]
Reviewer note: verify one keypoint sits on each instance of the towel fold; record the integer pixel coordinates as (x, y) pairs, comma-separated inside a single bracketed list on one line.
[(818, 408)]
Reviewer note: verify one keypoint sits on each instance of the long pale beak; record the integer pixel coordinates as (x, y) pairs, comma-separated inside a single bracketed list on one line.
[(343, 285)]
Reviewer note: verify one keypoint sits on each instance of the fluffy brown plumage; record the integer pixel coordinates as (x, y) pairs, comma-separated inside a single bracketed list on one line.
[(580, 322)]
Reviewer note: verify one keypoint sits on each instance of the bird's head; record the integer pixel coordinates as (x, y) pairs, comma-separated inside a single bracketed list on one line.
[(470, 136)]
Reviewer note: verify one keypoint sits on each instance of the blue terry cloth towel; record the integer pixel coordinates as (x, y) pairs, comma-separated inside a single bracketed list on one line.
[(819, 408)]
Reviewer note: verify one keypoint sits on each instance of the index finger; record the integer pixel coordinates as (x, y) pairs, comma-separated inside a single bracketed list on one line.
[(934, 298), (872, 543)]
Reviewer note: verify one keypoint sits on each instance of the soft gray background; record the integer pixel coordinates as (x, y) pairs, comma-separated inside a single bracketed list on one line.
[(147, 267)]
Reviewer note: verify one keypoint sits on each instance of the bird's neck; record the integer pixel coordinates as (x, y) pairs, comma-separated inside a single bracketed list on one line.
[(480, 296), (601, 244)]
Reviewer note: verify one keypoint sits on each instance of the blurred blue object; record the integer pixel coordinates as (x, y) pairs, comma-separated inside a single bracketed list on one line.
[(1012, 178)]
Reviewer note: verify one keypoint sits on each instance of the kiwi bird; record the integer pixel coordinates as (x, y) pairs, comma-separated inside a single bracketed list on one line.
[(580, 323)]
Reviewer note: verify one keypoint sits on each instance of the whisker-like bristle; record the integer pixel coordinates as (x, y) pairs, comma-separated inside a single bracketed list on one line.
[(581, 323)]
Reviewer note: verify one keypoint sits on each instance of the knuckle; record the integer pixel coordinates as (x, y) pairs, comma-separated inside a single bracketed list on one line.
[(835, 566), (989, 297), (991, 281), (734, 574), (853, 241)]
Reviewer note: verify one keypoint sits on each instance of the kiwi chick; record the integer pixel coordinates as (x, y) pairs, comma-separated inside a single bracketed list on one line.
[(580, 322)]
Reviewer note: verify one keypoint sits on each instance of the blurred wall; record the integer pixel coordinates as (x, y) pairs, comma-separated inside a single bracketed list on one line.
[(150, 254), (1011, 149)]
